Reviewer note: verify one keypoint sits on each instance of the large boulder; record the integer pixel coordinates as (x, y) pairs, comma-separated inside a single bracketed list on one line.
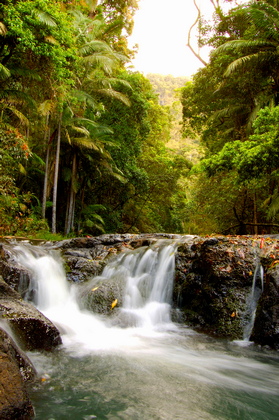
[(33, 330), (266, 327), (16, 371), (213, 280), (103, 295), (14, 274)]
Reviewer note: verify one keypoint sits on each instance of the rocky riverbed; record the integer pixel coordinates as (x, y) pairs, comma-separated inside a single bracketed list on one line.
[(216, 279)]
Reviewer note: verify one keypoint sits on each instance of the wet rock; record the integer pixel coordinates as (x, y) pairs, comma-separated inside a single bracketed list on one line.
[(103, 296), (33, 329), (213, 280), (266, 327), (16, 276), (15, 371), (212, 284)]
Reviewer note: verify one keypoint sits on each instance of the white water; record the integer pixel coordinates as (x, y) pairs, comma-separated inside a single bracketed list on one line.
[(148, 274), (151, 370), (252, 302)]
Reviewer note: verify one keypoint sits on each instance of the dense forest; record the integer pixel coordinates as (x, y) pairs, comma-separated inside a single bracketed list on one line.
[(232, 107), (82, 139), (88, 145)]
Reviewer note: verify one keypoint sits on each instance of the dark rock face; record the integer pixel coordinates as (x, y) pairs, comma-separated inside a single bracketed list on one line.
[(266, 328), (15, 275), (213, 279), (15, 371)]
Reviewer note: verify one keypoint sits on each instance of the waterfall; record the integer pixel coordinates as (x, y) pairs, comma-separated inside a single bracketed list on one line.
[(136, 364), (252, 302), (148, 275)]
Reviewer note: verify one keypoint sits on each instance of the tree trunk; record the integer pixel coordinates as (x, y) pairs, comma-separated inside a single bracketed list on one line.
[(55, 182), (47, 135), (69, 224), (255, 218)]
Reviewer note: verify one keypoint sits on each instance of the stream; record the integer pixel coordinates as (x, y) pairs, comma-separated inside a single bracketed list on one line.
[(139, 365)]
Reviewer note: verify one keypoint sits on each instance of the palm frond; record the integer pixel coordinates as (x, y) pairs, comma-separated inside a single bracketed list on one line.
[(116, 81), (68, 137), (4, 72), (259, 58), (85, 97), (228, 112), (94, 46), (87, 143), (261, 12), (243, 44), (101, 129), (107, 63), (115, 172), (27, 73), (45, 107), (24, 120), (273, 206), (81, 130), (44, 17), (38, 159), (22, 170), (251, 118), (111, 93)]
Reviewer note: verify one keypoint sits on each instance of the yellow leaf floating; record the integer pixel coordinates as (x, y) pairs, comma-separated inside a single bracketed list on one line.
[(114, 303), (95, 288)]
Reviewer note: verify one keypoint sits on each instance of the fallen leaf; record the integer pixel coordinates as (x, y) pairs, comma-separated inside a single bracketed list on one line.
[(114, 303)]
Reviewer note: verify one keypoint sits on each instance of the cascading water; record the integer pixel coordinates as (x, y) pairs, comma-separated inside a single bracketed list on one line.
[(148, 274), (145, 368), (252, 302)]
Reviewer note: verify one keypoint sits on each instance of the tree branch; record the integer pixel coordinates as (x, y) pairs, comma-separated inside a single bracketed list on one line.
[(197, 55)]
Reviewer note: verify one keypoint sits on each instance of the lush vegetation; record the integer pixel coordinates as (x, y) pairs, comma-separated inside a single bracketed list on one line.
[(82, 139), (232, 106), (87, 146)]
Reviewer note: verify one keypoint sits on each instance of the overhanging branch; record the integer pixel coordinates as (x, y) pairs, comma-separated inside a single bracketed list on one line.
[(196, 54)]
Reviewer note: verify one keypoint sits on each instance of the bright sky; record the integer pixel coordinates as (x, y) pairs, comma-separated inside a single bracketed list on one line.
[(161, 30)]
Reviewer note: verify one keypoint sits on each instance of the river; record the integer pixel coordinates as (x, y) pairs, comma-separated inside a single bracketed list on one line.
[(140, 365)]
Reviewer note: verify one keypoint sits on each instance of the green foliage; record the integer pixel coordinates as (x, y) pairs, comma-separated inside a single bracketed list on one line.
[(37, 32), (226, 107), (254, 158), (99, 161)]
